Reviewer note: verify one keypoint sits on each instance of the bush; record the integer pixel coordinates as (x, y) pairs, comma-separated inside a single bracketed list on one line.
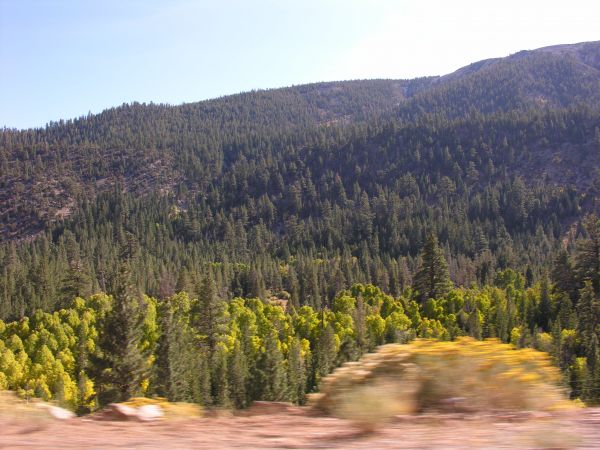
[(430, 375)]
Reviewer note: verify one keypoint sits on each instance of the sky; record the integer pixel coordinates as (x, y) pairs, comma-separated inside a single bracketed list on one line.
[(61, 59)]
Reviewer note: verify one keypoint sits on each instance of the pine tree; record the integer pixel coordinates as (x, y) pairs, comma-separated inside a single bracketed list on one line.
[(202, 388), (588, 312), (591, 384), (293, 287), (209, 314), (77, 283), (588, 254), (162, 378), (325, 353), (219, 377), (273, 370), (563, 275), (209, 319), (296, 373), (176, 353), (359, 316), (125, 365), (545, 306), (238, 376), (432, 279), (566, 313), (183, 282)]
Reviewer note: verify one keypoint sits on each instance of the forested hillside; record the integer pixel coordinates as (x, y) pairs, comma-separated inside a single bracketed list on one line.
[(463, 198), (559, 76)]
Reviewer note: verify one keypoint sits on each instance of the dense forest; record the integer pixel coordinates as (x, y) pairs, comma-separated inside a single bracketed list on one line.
[(240, 248)]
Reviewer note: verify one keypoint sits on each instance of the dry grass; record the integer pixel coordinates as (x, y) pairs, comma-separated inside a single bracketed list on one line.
[(15, 409)]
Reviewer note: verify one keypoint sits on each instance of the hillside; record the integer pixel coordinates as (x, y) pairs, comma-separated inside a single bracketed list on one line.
[(241, 248), (154, 147), (159, 146), (499, 156)]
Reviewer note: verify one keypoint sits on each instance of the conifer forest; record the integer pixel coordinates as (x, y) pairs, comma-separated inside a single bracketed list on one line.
[(242, 248)]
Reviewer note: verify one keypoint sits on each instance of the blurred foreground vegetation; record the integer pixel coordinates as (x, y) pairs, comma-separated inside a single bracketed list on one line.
[(464, 375)]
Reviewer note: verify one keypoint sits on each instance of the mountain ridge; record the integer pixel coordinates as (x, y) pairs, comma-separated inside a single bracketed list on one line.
[(162, 147), (585, 53)]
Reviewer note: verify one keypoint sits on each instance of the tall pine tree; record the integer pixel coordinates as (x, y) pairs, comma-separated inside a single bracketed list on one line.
[(124, 365), (296, 373), (432, 279)]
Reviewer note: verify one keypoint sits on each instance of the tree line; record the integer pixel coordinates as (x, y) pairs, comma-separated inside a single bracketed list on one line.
[(199, 347)]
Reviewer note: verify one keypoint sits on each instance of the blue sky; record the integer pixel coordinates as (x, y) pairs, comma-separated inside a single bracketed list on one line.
[(63, 58)]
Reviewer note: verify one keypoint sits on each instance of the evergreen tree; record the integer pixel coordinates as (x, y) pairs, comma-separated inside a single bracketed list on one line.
[(162, 377), (544, 316), (359, 316), (124, 363), (238, 376), (209, 314), (177, 355), (201, 382), (325, 353), (591, 385), (588, 312), (274, 377), (296, 373), (76, 283), (219, 364), (432, 279), (563, 275), (588, 254)]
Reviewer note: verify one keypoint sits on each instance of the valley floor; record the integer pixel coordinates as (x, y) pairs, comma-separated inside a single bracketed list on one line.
[(296, 428)]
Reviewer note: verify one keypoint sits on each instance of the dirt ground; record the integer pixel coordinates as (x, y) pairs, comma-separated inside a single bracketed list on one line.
[(296, 428)]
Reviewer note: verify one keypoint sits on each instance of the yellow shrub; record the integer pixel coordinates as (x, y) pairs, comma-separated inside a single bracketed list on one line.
[(433, 375), (172, 410)]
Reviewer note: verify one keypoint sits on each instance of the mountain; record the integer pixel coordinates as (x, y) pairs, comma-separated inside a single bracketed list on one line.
[(500, 159), (43, 170), (241, 248), (551, 77)]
